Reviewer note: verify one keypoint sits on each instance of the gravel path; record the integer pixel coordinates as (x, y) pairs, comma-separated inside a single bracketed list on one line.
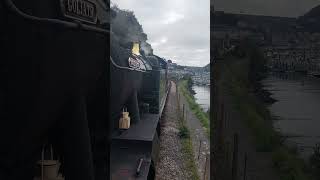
[(198, 136), (171, 164)]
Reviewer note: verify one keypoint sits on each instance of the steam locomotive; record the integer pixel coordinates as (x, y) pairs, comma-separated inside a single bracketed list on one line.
[(142, 88), (55, 72)]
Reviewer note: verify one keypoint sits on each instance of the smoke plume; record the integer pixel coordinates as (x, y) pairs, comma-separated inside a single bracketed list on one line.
[(127, 28)]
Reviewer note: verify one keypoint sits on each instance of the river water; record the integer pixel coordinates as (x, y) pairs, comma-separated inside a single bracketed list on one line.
[(297, 108), (202, 96)]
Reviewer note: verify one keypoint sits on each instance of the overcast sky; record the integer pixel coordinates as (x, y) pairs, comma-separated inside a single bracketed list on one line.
[(177, 29), (286, 8)]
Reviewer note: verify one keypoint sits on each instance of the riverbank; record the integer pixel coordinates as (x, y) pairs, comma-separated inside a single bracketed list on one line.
[(187, 145), (267, 144), (197, 143), (195, 108), (297, 112)]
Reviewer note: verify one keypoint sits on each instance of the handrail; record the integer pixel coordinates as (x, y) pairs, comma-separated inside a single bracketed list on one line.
[(126, 68), (11, 6)]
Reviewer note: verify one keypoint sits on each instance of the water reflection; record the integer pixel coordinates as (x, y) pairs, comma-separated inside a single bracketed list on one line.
[(298, 108), (202, 96)]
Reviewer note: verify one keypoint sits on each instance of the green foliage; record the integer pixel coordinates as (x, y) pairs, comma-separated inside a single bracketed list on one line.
[(184, 132), (288, 165), (196, 109), (240, 75), (187, 148), (190, 83)]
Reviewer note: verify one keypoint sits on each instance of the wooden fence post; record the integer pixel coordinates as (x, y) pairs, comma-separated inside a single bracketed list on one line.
[(235, 157), (220, 130), (183, 112), (245, 166), (199, 150), (227, 157), (205, 177)]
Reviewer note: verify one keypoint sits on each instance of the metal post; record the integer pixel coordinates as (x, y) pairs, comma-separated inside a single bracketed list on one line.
[(221, 124), (199, 149), (235, 158), (185, 115), (42, 163), (227, 151), (183, 112), (205, 168), (225, 120), (222, 116), (51, 152)]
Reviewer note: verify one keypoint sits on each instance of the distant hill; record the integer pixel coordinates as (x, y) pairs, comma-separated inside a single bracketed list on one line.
[(231, 19), (207, 68), (313, 13), (311, 20)]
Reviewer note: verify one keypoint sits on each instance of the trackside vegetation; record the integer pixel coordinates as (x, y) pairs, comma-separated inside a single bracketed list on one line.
[(241, 78), (187, 147), (185, 88)]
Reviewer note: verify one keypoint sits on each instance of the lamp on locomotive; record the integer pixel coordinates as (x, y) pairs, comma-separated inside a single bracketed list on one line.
[(136, 48)]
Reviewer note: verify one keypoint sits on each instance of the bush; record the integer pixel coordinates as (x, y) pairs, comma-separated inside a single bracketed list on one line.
[(289, 166), (184, 132), (315, 160), (196, 109)]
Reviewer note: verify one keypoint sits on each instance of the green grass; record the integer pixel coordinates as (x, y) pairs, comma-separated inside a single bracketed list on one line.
[(288, 165), (258, 119), (187, 147), (195, 108), (184, 131), (187, 150)]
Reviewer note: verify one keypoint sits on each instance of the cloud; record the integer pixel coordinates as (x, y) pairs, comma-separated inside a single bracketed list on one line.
[(172, 17), (201, 50), (164, 40), (177, 30), (159, 42)]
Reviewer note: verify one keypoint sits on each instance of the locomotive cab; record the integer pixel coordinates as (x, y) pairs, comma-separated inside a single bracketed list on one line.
[(55, 80)]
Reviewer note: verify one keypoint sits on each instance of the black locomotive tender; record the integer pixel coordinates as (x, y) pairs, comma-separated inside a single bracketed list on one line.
[(55, 72)]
